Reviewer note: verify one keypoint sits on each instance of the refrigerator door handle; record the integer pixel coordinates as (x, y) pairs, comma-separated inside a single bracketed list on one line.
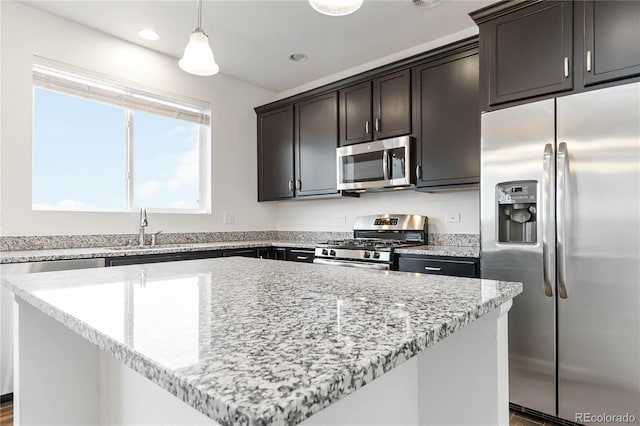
[(547, 178), (561, 191)]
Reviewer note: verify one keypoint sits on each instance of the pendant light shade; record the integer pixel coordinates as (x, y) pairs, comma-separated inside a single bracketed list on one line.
[(336, 7), (198, 57)]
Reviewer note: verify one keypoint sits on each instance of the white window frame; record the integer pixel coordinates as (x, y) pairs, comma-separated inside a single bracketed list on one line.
[(71, 81)]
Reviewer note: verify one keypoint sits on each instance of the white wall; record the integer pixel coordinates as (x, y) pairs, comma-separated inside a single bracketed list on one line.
[(26, 32), (338, 214)]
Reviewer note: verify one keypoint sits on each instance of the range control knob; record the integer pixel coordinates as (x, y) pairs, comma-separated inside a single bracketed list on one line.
[(367, 255), (325, 252), (332, 252), (376, 255)]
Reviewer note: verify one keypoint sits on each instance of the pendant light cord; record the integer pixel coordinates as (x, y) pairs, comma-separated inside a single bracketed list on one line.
[(199, 16)]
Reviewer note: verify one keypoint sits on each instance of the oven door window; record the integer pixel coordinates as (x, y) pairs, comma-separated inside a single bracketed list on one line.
[(365, 167)]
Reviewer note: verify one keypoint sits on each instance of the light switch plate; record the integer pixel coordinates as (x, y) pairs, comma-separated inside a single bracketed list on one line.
[(229, 218), (452, 218)]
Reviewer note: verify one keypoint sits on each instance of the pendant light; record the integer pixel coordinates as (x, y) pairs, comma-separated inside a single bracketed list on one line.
[(198, 56), (336, 7)]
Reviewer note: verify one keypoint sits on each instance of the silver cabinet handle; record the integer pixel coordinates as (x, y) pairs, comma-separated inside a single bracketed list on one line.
[(588, 61), (562, 170), (366, 127), (432, 268), (385, 165), (377, 124), (566, 66), (547, 199), (302, 257), (298, 184), (290, 185), (418, 172)]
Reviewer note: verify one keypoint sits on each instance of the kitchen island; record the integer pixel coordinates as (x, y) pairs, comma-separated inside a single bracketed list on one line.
[(253, 341)]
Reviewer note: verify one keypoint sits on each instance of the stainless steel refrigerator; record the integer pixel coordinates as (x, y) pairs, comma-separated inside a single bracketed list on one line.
[(560, 212)]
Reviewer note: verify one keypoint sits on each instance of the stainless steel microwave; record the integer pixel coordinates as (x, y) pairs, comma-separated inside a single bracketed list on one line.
[(378, 165)]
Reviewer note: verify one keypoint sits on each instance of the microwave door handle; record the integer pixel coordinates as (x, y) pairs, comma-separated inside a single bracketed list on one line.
[(385, 164)]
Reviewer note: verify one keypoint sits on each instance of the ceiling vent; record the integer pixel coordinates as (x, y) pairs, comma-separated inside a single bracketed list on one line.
[(425, 4)]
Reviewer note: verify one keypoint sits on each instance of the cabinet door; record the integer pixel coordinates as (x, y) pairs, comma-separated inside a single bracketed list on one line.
[(612, 40), (392, 105), (316, 143), (446, 98), (355, 114), (529, 51), (275, 154)]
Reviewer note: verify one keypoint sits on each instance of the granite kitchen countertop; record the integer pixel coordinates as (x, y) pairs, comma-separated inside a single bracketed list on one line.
[(20, 256), (256, 341)]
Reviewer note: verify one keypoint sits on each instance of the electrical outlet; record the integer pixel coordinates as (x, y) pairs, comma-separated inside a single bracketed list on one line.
[(452, 218), (229, 218), (341, 219)]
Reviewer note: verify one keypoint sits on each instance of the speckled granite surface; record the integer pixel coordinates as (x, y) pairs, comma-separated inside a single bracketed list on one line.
[(257, 342), (49, 242), (18, 256)]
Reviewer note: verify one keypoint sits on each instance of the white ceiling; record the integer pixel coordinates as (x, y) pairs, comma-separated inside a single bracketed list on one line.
[(252, 40)]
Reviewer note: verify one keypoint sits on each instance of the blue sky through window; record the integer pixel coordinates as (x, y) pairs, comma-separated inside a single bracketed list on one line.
[(80, 156)]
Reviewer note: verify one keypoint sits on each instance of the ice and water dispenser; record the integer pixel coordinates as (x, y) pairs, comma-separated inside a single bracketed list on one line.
[(517, 211)]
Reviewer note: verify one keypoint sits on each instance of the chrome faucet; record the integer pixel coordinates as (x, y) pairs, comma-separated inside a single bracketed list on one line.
[(143, 224)]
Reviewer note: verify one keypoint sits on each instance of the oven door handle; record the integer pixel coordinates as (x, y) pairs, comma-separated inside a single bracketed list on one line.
[(362, 265)]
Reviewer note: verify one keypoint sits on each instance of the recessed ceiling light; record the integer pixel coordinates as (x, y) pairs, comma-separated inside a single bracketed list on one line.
[(298, 57), (149, 34)]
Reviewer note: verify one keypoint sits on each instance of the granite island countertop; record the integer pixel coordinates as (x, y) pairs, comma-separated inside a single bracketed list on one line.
[(20, 256), (253, 341)]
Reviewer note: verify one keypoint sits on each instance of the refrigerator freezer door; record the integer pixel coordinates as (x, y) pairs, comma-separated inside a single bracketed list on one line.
[(515, 143), (599, 320)]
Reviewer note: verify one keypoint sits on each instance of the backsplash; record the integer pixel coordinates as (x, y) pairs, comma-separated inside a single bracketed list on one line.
[(112, 240)]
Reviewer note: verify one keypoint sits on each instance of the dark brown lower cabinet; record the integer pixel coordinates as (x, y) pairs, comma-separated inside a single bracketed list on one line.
[(157, 258), (440, 265), (275, 253), (447, 122), (300, 255)]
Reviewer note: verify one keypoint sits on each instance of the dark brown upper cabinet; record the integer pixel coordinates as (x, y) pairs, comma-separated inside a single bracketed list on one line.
[(355, 114), (376, 109), (542, 48), (275, 154), (316, 140), (528, 52), (392, 105), (297, 158), (447, 122), (611, 40)]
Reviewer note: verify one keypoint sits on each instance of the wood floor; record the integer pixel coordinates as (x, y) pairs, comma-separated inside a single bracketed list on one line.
[(6, 414), (517, 418)]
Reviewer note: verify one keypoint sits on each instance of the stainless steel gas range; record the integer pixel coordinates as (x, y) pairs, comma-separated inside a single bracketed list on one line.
[(374, 239)]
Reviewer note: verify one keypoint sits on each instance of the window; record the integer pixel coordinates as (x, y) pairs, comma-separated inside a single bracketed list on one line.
[(99, 145)]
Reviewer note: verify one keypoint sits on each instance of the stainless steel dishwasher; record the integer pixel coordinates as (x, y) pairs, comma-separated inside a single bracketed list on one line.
[(6, 309)]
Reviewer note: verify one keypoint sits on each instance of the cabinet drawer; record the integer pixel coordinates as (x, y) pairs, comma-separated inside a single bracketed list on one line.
[(241, 253), (300, 255), (438, 266)]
